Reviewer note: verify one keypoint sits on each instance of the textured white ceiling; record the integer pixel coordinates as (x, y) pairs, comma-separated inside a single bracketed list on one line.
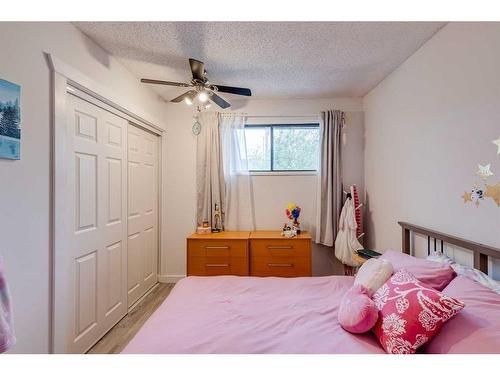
[(273, 59)]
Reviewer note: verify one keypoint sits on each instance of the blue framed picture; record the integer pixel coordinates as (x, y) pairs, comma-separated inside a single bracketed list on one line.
[(10, 120)]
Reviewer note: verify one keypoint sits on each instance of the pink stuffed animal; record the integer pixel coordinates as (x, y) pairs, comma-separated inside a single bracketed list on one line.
[(357, 312)]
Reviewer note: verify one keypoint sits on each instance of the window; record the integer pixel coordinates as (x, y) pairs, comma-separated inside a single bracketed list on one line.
[(283, 147)]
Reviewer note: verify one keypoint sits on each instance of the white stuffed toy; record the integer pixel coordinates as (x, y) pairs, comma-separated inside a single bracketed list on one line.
[(373, 274)]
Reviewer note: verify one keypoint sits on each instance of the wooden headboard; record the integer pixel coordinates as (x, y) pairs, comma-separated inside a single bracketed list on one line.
[(481, 252)]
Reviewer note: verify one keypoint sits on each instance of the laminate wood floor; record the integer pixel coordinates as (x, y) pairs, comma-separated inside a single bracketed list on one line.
[(118, 337)]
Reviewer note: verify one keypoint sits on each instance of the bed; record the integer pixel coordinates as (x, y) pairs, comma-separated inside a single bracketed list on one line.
[(249, 315), (231, 314)]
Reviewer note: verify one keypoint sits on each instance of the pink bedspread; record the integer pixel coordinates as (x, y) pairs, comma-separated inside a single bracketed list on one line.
[(476, 329), (230, 314)]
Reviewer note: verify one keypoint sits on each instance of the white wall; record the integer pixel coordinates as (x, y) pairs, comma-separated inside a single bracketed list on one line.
[(271, 193), (24, 187), (428, 125)]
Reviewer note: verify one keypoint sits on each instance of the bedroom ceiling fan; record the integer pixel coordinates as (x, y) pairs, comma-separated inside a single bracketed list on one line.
[(202, 89)]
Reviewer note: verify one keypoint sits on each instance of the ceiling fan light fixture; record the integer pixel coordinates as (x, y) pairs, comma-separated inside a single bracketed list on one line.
[(201, 89), (202, 96)]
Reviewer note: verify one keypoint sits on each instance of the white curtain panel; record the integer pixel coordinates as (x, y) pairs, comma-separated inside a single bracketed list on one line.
[(210, 186), (329, 196), (238, 205)]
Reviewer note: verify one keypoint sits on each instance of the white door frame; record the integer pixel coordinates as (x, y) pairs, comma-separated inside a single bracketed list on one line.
[(65, 78)]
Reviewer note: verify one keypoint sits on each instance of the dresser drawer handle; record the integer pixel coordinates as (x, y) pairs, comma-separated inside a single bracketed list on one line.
[(280, 264), (217, 265), (279, 247), (216, 247)]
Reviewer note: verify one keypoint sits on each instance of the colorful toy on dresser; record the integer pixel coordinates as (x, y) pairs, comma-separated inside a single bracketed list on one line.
[(292, 212)]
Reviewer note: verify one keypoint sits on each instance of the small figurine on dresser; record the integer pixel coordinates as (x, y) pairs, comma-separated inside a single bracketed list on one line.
[(217, 225), (288, 231), (205, 228)]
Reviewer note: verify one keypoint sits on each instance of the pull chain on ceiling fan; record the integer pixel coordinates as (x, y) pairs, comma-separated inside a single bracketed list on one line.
[(202, 90)]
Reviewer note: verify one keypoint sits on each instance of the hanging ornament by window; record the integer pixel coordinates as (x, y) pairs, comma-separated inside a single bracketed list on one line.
[(196, 125), (196, 128)]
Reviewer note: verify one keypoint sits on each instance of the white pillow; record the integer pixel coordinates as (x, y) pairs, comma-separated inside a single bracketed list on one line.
[(439, 257), (373, 274), (466, 271)]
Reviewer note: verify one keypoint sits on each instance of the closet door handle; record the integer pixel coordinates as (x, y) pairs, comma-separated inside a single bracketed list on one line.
[(216, 247), (217, 265), (279, 247), (280, 264)]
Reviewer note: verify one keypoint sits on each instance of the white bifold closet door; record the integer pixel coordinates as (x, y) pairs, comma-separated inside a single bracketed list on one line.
[(91, 292), (142, 241)]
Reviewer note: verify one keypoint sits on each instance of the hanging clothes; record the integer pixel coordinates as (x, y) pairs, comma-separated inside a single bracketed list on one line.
[(7, 338), (346, 242)]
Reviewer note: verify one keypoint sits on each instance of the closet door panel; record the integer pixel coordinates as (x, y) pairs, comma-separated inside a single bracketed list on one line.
[(134, 196), (86, 295), (96, 170), (143, 211), (86, 191), (134, 268), (115, 273), (115, 134), (113, 211), (149, 185), (85, 124), (149, 254), (114, 190)]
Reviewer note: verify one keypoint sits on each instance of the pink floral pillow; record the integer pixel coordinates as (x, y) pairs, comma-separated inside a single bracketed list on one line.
[(410, 313)]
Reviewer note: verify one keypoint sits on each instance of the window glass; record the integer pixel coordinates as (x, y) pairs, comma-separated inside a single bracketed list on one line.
[(258, 140), (288, 147), (295, 148)]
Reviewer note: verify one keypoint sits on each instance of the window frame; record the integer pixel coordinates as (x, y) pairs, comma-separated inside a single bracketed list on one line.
[(271, 130)]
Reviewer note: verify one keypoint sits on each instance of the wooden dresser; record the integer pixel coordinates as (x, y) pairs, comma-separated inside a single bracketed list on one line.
[(274, 255), (224, 253), (259, 253)]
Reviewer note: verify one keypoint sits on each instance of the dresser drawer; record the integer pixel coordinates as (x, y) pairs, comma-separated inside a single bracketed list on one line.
[(283, 266), (280, 247), (217, 265), (217, 248)]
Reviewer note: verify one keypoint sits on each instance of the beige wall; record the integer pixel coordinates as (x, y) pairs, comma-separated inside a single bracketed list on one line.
[(271, 193), (428, 125), (24, 187)]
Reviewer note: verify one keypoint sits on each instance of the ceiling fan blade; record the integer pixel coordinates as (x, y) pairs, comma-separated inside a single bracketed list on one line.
[(234, 90), (157, 82), (190, 94), (198, 69), (219, 101)]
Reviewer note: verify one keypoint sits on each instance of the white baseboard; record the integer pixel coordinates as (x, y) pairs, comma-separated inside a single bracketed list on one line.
[(168, 279), (137, 303)]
